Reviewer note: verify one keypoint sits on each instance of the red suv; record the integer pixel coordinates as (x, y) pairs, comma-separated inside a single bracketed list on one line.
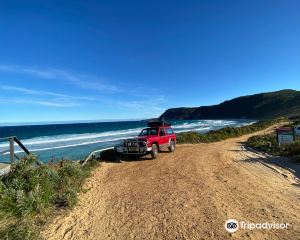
[(150, 141)]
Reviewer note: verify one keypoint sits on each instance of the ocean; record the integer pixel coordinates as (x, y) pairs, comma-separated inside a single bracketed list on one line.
[(75, 141)]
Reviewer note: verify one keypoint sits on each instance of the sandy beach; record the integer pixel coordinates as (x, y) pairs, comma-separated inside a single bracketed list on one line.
[(3, 165), (188, 194)]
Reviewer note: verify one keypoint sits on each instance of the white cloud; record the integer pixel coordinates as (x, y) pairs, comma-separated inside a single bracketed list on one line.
[(137, 100), (54, 99), (44, 98), (31, 91), (149, 104), (80, 80), (38, 102), (51, 104), (43, 93)]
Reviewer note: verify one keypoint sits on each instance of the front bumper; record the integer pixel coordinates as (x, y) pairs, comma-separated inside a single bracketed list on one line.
[(138, 148)]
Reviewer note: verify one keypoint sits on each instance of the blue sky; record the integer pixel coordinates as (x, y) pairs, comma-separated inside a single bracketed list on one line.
[(93, 60)]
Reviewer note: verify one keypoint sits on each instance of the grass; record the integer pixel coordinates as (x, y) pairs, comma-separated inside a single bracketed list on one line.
[(31, 193), (224, 133)]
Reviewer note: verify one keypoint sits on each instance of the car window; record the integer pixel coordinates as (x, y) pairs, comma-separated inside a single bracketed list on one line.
[(169, 131), (148, 131), (152, 131), (162, 132), (298, 128), (144, 132)]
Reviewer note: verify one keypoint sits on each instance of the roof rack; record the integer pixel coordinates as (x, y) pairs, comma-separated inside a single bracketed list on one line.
[(158, 124)]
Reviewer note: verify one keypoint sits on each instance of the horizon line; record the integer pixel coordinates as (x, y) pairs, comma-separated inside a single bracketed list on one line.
[(12, 124)]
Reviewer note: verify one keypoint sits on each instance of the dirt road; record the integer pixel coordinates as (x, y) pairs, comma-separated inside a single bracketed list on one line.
[(188, 194)]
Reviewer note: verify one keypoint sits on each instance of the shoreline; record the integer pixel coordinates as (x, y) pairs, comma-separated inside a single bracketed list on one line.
[(4, 169), (4, 165)]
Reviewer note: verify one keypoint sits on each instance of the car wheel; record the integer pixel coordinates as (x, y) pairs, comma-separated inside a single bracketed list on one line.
[(172, 146), (154, 151)]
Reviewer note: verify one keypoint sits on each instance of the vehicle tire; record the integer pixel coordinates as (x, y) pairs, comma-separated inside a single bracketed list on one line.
[(172, 146), (154, 151)]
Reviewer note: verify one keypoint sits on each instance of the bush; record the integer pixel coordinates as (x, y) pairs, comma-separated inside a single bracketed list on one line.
[(292, 149), (31, 192), (265, 143), (22, 229), (28, 189), (268, 143), (224, 133)]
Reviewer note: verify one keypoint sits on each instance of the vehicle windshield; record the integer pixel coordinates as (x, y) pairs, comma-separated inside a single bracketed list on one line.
[(148, 131)]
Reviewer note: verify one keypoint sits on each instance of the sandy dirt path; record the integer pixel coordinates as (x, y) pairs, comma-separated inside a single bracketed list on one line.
[(188, 194)]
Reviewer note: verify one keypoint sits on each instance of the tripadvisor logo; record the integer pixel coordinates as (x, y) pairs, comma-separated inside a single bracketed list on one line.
[(231, 225)]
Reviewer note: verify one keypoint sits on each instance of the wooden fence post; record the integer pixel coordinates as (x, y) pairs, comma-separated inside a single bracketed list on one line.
[(12, 150)]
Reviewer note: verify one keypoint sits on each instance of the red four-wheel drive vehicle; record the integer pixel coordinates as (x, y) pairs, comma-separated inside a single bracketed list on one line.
[(149, 141)]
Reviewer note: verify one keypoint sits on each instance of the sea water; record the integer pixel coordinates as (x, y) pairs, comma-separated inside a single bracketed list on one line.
[(75, 141)]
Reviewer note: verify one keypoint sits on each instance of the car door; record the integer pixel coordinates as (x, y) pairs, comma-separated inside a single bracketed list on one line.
[(163, 138)]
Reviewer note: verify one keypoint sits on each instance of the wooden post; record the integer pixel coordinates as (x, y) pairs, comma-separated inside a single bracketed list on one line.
[(12, 149)]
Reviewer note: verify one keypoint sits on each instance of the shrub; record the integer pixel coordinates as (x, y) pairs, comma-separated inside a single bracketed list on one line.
[(28, 189), (268, 143), (265, 143), (31, 192), (292, 149), (20, 229), (224, 133)]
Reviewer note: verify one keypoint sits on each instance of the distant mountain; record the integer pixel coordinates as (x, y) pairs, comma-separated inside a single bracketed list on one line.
[(257, 106)]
